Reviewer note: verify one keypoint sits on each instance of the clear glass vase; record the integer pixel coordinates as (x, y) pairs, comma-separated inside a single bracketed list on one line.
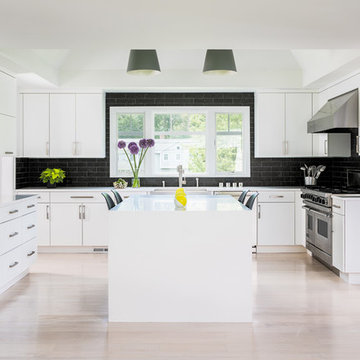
[(135, 182)]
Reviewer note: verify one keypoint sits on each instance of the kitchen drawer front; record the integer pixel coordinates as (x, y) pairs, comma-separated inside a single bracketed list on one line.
[(77, 197), (29, 252), (29, 226), (338, 206), (11, 212), (42, 197), (276, 196), (29, 207), (12, 264), (11, 235)]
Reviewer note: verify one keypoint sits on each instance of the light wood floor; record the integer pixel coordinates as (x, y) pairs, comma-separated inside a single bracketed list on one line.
[(302, 312)]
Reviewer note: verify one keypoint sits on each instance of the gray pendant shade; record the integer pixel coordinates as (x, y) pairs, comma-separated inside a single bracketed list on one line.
[(219, 62), (143, 62)]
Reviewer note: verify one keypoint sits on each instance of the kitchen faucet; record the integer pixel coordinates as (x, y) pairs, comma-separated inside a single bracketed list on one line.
[(182, 180)]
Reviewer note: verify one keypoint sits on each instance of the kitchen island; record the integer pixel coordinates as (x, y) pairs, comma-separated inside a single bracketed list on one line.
[(192, 265)]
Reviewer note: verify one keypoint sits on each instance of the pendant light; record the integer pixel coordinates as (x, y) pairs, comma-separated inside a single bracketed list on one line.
[(143, 62), (219, 62)]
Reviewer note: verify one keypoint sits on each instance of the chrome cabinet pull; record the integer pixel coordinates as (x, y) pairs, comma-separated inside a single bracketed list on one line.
[(336, 206), (81, 197), (47, 212), (80, 214), (325, 147), (259, 212), (13, 234), (31, 206), (83, 212), (31, 254), (13, 211), (9, 152), (31, 227), (276, 196), (14, 264), (358, 145), (47, 148)]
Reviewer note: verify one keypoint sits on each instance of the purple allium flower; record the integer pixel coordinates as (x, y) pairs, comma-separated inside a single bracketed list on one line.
[(131, 144), (150, 142), (143, 143), (134, 149), (121, 144)]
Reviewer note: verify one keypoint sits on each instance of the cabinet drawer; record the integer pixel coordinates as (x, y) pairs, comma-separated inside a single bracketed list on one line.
[(276, 196), (338, 206), (29, 207), (11, 212), (77, 197), (11, 235), (42, 197), (29, 226), (29, 252)]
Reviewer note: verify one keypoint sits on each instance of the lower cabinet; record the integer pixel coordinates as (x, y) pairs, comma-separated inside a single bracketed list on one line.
[(338, 241), (95, 225), (276, 223), (44, 224)]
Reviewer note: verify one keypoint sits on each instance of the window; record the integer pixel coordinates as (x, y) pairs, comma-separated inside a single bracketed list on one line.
[(205, 141)]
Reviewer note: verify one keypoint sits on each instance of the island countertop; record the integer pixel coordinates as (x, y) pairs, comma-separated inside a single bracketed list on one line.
[(166, 203)]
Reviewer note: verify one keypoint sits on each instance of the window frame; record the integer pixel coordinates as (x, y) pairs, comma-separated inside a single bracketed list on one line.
[(210, 137)]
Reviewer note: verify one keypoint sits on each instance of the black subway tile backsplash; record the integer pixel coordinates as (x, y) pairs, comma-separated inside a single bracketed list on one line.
[(264, 171)]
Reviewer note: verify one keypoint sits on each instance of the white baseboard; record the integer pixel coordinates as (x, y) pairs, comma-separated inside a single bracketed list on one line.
[(13, 281), (351, 278), (263, 249), (72, 249)]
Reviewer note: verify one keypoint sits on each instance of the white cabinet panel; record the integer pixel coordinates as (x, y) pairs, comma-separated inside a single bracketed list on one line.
[(7, 135), (43, 224), (62, 125), (7, 94), (36, 125), (300, 220), (95, 225), (298, 113), (270, 125), (66, 225), (338, 242), (276, 224), (90, 126)]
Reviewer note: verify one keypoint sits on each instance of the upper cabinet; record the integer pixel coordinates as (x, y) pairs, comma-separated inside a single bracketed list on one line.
[(281, 125), (7, 95), (63, 125), (7, 135)]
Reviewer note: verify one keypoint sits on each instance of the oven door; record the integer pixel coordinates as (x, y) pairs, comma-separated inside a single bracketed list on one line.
[(310, 226), (323, 232)]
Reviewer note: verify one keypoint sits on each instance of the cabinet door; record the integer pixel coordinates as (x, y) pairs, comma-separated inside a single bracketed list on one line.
[(66, 225), (7, 135), (338, 243), (62, 125), (270, 125), (298, 113), (320, 144), (95, 224), (36, 125), (43, 220), (276, 224), (90, 126), (7, 94)]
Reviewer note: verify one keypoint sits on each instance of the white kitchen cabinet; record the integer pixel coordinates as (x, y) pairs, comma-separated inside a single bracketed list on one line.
[(281, 125), (338, 241), (36, 125), (270, 125), (43, 224), (7, 135), (276, 223), (90, 126), (332, 145), (95, 224), (300, 220), (66, 225), (62, 125), (298, 112), (7, 94)]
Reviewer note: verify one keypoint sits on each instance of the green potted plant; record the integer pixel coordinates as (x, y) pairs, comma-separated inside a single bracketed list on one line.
[(51, 177)]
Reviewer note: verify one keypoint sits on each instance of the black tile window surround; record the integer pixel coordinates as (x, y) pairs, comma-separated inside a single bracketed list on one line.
[(264, 171)]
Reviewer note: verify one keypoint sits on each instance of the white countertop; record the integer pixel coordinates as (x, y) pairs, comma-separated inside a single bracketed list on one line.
[(166, 203), (8, 200), (347, 197), (148, 189)]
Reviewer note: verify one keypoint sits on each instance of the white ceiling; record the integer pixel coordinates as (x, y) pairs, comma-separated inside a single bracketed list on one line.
[(87, 42)]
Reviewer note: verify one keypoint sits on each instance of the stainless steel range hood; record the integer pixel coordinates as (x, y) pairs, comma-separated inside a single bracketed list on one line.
[(337, 115)]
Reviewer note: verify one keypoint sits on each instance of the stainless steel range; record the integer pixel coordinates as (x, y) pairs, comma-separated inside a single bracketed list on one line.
[(317, 203)]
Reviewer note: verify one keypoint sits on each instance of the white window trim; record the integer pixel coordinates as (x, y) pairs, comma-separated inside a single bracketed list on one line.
[(210, 136)]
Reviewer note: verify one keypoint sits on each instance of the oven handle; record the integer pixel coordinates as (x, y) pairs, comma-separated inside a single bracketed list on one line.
[(316, 212)]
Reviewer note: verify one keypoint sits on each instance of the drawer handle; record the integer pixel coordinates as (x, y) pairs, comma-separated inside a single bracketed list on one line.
[(276, 196), (31, 206), (31, 254), (126, 196), (31, 226), (9, 152), (13, 211), (14, 264), (13, 234), (81, 197), (336, 206)]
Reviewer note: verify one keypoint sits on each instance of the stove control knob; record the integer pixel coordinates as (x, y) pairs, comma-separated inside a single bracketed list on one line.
[(323, 201)]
